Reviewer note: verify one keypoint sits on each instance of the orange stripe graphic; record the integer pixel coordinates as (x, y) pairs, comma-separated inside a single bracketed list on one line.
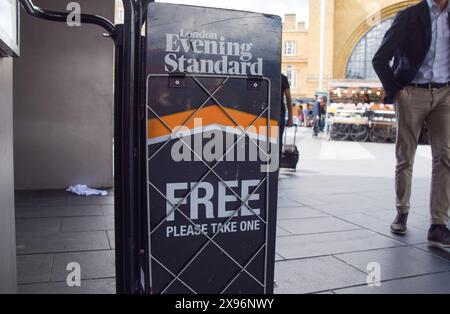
[(208, 115)]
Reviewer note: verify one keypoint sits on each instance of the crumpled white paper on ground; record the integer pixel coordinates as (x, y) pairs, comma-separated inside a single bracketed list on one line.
[(84, 190)]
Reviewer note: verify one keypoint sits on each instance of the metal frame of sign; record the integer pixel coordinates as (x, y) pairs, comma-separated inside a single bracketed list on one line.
[(210, 239), (128, 132)]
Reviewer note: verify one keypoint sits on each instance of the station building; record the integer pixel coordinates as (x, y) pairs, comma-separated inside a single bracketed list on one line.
[(354, 30)]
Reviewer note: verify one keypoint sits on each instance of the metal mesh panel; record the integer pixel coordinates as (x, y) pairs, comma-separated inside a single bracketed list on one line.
[(211, 242)]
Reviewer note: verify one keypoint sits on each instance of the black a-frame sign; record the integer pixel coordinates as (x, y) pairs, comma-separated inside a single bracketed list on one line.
[(213, 105)]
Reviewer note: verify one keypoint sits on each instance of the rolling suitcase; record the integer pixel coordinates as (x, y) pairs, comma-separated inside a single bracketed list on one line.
[(290, 155)]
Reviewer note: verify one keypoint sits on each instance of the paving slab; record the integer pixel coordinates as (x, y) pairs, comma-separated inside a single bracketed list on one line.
[(386, 204), (282, 232), (26, 194), (414, 235), (364, 220), (39, 225), (33, 194), (34, 268), (397, 262), (303, 246), (414, 219), (385, 195), (108, 210), (112, 239), (315, 275), (304, 199), (347, 198), (66, 211), (90, 200), (427, 284), (62, 242), (284, 202), (95, 286), (93, 223), (41, 201), (315, 225), (298, 212), (442, 253), (94, 264), (347, 209)]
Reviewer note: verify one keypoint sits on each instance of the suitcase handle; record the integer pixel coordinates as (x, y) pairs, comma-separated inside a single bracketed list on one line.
[(295, 134)]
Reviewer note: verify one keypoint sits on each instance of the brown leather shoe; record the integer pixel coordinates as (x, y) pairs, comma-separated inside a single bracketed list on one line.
[(439, 236), (399, 225)]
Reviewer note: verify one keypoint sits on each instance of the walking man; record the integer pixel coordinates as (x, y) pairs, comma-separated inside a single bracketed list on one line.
[(419, 81)]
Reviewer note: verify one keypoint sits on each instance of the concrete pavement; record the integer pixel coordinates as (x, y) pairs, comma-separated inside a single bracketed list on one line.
[(333, 221)]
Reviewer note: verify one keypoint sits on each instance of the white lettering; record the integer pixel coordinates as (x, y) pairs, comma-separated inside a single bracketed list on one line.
[(224, 198), (171, 199), (197, 43), (196, 200), (245, 192)]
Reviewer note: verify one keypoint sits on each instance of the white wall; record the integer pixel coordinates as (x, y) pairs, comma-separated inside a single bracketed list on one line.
[(63, 102), (8, 281)]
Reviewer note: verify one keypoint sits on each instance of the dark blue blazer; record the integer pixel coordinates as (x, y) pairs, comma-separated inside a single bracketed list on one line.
[(407, 41)]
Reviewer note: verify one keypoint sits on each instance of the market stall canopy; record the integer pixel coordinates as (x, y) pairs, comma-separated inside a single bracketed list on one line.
[(355, 84)]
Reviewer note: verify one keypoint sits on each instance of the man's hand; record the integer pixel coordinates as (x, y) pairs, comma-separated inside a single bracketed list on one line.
[(290, 122), (397, 95)]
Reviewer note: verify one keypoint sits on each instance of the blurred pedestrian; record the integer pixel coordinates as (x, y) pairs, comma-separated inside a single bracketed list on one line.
[(318, 113), (285, 94), (296, 110)]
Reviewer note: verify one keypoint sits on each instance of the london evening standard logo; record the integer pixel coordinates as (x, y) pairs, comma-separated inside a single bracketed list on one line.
[(203, 52)]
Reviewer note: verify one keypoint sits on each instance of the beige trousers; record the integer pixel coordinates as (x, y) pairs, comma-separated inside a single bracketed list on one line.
[(414, 106)]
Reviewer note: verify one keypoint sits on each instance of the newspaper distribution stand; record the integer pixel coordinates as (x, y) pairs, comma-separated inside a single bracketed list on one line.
[(196, 112), (213, 90)]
